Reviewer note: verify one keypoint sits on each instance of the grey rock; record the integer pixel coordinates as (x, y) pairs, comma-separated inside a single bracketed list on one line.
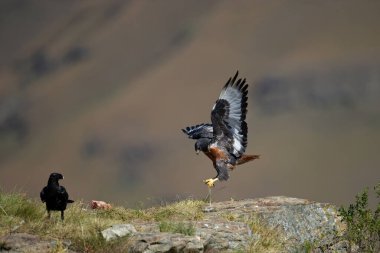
[(22, 242), (160, 247), (340, 247), (225, 227), (194, 246), (138, 246), (117, 231), (165, 242)]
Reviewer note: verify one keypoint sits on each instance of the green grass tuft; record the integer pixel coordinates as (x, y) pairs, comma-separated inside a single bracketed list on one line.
[(186, 209), (19, 205), (363, 225), (267, 240), (177, 227)]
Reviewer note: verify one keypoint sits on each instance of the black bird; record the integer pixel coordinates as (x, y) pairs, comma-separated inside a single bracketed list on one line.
[(54, 195), (224, 140)]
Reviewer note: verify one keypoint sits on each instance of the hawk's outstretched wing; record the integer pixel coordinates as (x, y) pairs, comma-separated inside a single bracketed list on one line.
[(199, 131), (228, 116)]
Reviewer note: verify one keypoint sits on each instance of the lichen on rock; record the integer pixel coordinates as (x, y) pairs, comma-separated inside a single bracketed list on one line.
[(273, 224)]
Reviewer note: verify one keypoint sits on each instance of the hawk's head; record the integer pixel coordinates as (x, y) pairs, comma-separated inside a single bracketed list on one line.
[(202, 145)]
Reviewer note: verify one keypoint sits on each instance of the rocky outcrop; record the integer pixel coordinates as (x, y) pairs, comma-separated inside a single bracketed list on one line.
[(274, 224), (22, 242)]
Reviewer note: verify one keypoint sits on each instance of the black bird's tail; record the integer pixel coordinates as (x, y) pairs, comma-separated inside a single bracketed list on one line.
[(70, 201)]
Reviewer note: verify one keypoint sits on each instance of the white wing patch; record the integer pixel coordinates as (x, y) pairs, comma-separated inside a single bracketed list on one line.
[(234, 97)]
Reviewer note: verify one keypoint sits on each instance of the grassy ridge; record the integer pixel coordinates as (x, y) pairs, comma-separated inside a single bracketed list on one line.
[(82, 226)]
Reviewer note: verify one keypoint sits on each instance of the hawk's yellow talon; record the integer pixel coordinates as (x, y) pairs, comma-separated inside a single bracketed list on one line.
[(210, 182)]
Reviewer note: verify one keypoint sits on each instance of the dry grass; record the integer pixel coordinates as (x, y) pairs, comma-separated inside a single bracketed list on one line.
[(268, 239), (82, 226)]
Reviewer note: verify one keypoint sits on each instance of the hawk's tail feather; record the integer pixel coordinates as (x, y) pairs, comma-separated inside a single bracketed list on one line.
[(246, 158)]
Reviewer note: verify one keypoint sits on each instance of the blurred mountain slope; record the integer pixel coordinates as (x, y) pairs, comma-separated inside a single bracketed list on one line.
[(100, 90)]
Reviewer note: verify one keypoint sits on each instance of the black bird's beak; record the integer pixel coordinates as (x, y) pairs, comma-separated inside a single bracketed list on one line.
[(197, 152)]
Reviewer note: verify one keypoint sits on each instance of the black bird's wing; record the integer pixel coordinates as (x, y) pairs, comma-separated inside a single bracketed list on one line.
[(228, 116), (43, 194), (199, 131), (62, 194)]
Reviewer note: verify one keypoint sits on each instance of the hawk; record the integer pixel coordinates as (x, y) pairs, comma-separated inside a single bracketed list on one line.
[(54, 195), (224, 140)]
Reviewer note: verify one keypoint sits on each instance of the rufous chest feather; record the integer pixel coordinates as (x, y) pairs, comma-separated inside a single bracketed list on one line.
[(217, 153)]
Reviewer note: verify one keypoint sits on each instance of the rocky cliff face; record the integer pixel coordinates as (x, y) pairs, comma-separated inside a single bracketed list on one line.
[(272, 224)]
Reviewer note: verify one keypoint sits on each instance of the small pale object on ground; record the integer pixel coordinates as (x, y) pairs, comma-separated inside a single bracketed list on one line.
[(97, 204)]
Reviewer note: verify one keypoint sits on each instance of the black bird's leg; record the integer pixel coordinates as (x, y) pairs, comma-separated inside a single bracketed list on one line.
[(48, 214), (62, 215)]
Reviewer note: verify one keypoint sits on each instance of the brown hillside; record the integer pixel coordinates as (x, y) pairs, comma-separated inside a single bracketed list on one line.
[(100, 90)]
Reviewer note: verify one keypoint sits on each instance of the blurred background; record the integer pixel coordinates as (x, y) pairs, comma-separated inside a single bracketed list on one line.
[(99, 91)]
